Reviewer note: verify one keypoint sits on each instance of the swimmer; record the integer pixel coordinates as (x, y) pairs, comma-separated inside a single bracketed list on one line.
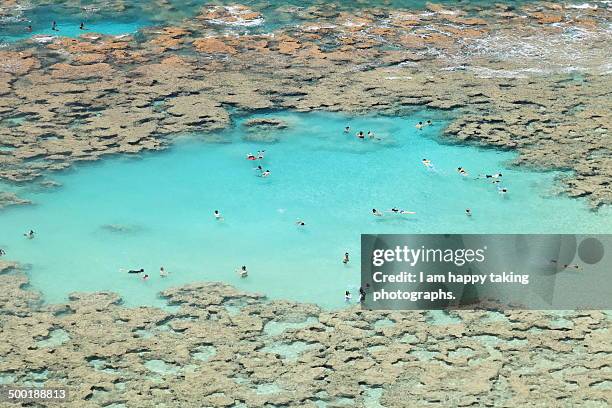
[(162, 272), (2, 252), (54, 26), (218, 215), (427, 163), (419, 125), (146, 277), (346, 258), (259, 169), (362, 294), (347, 296), (29, 29), (242, 272), (251, 156), (347, 129), (468, 212), (398, 211), (496, 181), (29, 235), (141, 270), (502, 190), (300, 223), (82, 26), (376, 212), (371, 134), (429, 122), (260, 154), (574, 266), (360, 135), (266, 173), (497, 175), (462, 171)]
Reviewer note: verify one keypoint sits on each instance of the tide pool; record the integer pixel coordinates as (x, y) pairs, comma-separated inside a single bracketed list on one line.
[(129, 212)]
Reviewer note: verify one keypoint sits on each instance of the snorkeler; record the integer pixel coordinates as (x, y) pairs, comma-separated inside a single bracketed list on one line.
[(347, 296), (346, 258), (259, 169), (376, 212), (162, 272), (242, 272), (54, 26), (494, 176), (419, 125), (218, 215), (468, 212), (462, 171), (360, 135), (347, 129), (398, 211), (260, 154), (266, 173), (502, 190), (300, 223), (141, 270), (29, 235)]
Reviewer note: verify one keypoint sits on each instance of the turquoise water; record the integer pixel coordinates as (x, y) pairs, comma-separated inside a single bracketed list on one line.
[(130, 213)]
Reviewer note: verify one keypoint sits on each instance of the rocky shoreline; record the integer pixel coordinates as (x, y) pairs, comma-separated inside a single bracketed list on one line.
[(221, 347), (534, 79)]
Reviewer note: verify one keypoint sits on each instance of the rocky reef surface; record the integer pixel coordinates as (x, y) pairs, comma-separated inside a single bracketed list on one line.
[(218, 347), (532, 78)]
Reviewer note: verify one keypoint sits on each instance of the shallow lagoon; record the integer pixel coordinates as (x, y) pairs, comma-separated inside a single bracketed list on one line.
[(128, 212)]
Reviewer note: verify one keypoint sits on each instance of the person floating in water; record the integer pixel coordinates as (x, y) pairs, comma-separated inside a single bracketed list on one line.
[(347, 296), (218, 215), (300, 223), (259, 169), (261, 154), (251, 156), (347, 129), (141, 270), (427, 163), (462, 171), (2, 252), (82, 26), (398, 211), (29, 28), (502, 190), (54, 26), (29, 235), (266, 173), (346, 258), (468, 212), (162, 272), (145, 277), (242, 272), (371, 134), (419, 125), (488, 176), (360, 135), (376, 213), (429, 122)]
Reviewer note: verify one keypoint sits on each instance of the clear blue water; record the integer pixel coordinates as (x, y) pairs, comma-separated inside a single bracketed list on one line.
[(161, 206)]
